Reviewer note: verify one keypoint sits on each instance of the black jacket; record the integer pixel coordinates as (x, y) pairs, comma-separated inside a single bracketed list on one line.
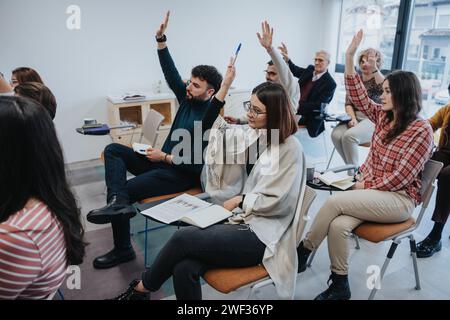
[(321, 92)]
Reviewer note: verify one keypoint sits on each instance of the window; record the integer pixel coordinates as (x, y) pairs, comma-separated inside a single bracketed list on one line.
[(433, 38), (423, 22), (426, 49), (378, 18), (436, 53), (444, 21)]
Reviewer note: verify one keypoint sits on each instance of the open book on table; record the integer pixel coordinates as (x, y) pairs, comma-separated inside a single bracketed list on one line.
[(339, 180), (188, 209)]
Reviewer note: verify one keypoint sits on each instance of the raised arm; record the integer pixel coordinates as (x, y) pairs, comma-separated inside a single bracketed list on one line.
[(355, 87), (287, 79), (372, 59), (296, 71), (168, 67), (219, 100)]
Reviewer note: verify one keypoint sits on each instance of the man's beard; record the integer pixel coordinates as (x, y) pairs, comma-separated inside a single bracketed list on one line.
[(201, 98)]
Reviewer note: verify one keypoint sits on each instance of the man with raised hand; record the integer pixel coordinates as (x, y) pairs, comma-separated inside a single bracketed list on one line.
[(163, 171), (317, 86), (277, 70)]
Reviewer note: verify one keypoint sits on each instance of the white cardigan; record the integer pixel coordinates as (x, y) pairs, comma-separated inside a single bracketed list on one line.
[(271, 193)]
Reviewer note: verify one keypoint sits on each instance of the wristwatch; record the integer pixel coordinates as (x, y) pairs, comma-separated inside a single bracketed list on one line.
[(162, 39)]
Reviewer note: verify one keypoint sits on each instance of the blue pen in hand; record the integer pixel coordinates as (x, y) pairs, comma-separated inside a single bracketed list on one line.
[(237, 52)]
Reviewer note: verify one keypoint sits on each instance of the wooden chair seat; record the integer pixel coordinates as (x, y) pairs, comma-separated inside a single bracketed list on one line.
[(226, 280), (192, 192), (377, 232)]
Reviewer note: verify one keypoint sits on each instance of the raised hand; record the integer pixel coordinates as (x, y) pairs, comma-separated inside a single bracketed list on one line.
[(266, 36), (350, 53), (372, 60), (230, 74), (162, 28), (284, 52), (353, 46), (227, 81)]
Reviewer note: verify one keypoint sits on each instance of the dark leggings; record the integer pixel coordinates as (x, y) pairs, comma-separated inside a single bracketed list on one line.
[(442, 209), (151, 179), (192, 251)]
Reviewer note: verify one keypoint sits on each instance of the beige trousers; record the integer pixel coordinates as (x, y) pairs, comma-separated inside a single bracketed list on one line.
[(344, 211)]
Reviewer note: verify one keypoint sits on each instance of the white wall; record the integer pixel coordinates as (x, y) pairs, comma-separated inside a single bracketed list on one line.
[(115, 49)]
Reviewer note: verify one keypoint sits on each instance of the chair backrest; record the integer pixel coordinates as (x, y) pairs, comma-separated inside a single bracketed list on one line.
[(429, 174), (305, 198), (151, 126)]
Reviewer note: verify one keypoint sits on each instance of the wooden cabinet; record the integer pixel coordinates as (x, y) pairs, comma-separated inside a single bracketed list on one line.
[(135, 112)]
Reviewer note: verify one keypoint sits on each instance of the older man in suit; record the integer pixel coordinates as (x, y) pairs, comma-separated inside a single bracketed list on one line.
[(316, 86)]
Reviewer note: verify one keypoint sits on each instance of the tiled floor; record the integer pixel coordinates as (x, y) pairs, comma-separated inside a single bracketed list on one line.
[(87, 181)]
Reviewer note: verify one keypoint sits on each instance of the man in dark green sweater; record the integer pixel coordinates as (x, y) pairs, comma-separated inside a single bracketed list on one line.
[(160, 172)]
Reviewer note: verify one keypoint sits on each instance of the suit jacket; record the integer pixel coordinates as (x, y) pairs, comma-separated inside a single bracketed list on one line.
[(322, 92)]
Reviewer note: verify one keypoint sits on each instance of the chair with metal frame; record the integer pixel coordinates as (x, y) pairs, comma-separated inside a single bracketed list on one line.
[(226, 280), (396, 232)]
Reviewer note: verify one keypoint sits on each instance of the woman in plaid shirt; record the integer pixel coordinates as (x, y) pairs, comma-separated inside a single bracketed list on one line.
[(389, 185)]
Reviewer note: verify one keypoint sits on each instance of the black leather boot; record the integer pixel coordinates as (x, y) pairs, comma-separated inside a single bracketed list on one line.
[(113, 258), (338, 290), (132, 294), (115, 207), (428, 247), (303, 255)]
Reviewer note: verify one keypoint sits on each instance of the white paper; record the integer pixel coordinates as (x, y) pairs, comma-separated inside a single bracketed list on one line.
[(189, 209), (176, 208), (141, 148), (338, 180), (331, 177)]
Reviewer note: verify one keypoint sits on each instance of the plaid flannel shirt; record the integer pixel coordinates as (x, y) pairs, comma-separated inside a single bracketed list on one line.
[(397, 165)]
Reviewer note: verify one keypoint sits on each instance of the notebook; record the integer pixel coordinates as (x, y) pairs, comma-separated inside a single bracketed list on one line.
[(339, 180), (188, 209), (141, 148)]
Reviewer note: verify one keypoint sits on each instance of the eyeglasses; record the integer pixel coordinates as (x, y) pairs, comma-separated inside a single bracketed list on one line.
[(251, 109), (270, 73)]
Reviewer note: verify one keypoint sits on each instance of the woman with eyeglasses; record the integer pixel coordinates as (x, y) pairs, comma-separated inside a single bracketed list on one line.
[(255, 171), (388, 187)]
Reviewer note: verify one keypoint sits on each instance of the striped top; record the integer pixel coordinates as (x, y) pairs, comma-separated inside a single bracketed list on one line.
[(32, 253)]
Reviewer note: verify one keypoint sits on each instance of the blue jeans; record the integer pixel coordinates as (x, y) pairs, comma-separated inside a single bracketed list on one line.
[(151, 179), (192, 251)]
